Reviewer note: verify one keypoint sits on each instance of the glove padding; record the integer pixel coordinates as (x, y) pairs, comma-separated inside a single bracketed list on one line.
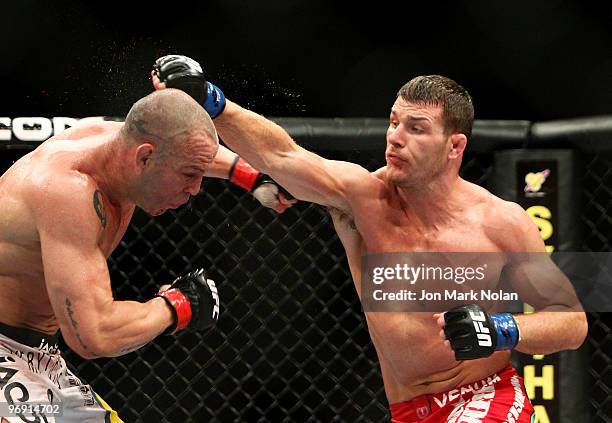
[(194, 301), (184, 73), (267, 193), (473, 333), (264, 188)]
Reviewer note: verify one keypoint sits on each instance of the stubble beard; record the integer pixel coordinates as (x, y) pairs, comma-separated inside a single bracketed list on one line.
[(416, 181)]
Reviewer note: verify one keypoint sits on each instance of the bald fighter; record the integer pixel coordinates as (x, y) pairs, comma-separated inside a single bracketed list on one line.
[(417, 202), (63, 209)]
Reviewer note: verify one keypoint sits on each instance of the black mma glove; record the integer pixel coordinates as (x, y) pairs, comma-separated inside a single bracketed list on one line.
[(473, 333), (186, 74), (194, 301)]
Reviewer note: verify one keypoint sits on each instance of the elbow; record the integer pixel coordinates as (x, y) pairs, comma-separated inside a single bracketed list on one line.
[(84, 354), (85, 347), (580, 332), (82, 351)]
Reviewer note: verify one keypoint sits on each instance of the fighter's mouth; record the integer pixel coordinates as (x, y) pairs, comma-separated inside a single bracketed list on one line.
[(394, 158)]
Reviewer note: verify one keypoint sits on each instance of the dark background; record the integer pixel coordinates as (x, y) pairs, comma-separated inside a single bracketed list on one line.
[(535, 60)]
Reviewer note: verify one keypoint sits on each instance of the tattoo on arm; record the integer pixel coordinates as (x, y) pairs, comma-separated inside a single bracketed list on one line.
[(99, 209), (75, 325)]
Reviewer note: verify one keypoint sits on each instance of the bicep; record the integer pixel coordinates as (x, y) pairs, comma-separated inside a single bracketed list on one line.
[(73, 272), (540, 283), (75, 269), (530, 270)]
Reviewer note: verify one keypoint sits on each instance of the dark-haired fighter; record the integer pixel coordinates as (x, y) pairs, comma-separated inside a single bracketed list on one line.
[(418, 202)]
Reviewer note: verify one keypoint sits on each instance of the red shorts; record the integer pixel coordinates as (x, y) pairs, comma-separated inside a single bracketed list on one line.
[(499, 398)]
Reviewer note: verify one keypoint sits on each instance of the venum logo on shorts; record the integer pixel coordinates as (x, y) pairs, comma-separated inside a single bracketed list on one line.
[(471, 388), (475, 409), (36, 129), (483, 333)]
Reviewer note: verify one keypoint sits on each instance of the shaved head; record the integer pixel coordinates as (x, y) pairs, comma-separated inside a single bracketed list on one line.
[(168, 141), (167, 118)]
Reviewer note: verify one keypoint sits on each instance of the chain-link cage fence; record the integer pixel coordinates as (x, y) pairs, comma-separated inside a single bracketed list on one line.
[(291, 344), (596, 218)]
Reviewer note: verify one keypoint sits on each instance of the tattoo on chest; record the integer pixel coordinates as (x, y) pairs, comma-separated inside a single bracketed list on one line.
[(99, 209)]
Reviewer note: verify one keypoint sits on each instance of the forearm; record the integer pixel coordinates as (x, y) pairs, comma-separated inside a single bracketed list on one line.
[(550, 332), (122, 327), (258, 140), (222, 164), (228, 165), (135, 324)]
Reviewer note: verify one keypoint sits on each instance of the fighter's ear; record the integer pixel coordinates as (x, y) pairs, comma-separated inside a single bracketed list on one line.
[(458, 144), (143, 155)]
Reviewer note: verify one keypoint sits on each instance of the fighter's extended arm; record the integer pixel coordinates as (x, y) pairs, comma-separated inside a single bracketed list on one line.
[(228, 165), (263, 143), (221, 165), (71, 226), (269, 148), (224, 166)]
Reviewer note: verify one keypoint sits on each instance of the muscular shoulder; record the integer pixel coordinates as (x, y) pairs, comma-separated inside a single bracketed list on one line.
[(66, 200), (363, 186), (380, 173), (355, 175), (370, 182), (357, 183), (57, 186), (510, 226)]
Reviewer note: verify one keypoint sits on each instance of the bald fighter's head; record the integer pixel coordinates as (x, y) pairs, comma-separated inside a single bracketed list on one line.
[(173, 141), (166, 117)]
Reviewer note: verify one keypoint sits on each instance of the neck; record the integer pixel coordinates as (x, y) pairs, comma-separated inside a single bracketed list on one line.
[(436, 201), (107, 170)]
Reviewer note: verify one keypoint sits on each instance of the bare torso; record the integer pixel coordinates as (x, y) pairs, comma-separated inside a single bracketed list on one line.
[(24, 301), (413, 358)]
